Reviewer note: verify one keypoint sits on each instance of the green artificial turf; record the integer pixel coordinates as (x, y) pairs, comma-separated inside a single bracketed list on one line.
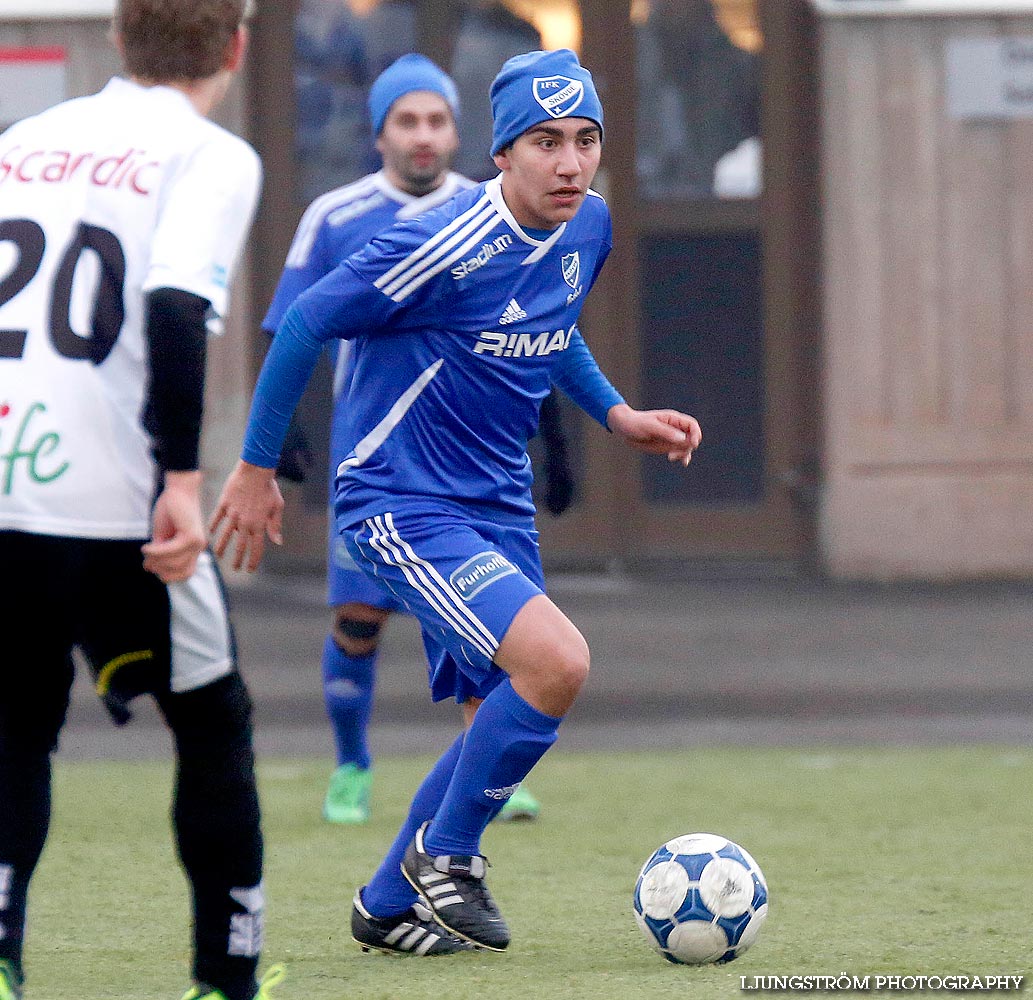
[(884, 861)]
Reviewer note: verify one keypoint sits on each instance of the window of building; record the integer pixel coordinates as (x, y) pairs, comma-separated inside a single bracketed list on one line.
[(698, 98)]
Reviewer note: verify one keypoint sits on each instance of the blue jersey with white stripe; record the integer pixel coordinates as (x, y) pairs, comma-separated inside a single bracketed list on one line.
[(340, 222), (461, 320)]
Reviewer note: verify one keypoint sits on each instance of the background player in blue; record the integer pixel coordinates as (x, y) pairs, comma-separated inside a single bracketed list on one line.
[(413, 107), (461, 319)]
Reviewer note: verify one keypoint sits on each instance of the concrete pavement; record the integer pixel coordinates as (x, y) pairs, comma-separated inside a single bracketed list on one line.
[(710, 659)]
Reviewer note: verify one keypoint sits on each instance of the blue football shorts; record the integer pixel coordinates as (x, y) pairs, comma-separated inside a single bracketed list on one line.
[(347, 584), (464, 578)]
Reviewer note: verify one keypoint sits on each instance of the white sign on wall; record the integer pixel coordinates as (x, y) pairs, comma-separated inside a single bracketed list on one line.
[(990, 77), (31, 80), (36, 9)]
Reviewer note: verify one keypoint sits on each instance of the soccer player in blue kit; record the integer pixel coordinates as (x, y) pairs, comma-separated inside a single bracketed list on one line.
[(461, 319), (413, 106)]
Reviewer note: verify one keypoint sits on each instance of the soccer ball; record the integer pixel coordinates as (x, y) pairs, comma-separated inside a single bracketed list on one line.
[(700, 899)]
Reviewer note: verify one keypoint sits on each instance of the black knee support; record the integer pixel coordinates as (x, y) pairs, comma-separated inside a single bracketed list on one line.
[(354, 628)]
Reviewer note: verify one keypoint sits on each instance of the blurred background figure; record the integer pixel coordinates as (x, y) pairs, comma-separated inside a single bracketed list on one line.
[(699, 104), (489, 34), (332, 137), (390, 31)]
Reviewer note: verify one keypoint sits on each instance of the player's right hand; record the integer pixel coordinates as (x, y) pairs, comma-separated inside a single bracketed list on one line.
[(177, 529), (251, 507)]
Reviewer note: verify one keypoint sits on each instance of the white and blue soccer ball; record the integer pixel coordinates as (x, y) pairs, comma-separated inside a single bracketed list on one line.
[(699, 899)]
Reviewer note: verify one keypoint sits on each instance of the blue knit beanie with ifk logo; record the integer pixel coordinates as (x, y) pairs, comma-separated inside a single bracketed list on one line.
[(541, 86)]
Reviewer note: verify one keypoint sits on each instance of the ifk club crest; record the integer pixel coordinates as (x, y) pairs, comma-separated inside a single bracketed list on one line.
[(558, 95), (571, 264)]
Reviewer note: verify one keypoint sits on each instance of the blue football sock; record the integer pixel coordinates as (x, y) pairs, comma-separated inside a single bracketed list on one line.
[(506, 739), (348, 694), (389, 892)]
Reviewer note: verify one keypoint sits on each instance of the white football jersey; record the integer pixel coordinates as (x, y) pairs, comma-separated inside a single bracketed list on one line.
[(102, 199)]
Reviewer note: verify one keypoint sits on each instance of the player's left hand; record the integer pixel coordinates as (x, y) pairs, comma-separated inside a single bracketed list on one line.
[(657, 432), (177, 533), (251, 507)]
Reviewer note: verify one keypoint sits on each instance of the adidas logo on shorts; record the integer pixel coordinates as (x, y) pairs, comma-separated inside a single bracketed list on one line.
[(513, 313)]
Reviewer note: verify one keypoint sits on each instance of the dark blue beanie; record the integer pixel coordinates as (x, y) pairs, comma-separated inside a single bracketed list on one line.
[(537, 87), (406, 74)]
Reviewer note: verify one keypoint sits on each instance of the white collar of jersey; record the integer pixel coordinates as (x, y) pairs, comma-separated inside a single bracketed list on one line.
[(413, 205), (123, 85), (494, 191)]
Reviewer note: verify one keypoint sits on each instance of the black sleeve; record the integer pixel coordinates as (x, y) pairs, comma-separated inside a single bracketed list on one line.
[(177, 340), (550, 425), (559, 481)]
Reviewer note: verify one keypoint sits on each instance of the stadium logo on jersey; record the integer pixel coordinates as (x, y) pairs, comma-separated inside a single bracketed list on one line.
[(479, 572), (571, 264), (558, 95), (522, 345), (484, 255), (513, 313)]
